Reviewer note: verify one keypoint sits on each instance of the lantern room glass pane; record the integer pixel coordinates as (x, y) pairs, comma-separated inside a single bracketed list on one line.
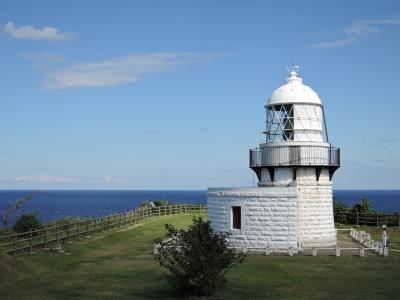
[(280, 123), (295, 122)]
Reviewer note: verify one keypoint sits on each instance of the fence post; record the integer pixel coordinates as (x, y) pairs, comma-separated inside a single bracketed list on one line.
[(385, 251), (57, 241), (30, 241), (45, 237), (86, 227), (357, 218), (165, 210), (337, 250), (185, 208), (377, 220), (15, 243), (398, 220)]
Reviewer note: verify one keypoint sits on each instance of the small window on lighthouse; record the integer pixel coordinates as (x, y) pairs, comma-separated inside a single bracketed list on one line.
[(236, 217)]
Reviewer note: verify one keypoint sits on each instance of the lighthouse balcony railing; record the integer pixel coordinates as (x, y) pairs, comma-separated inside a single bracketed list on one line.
[(305, 155)]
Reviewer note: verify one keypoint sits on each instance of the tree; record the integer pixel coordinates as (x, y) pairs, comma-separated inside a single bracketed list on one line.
[(27, 222), (363, 206), (340, 207), (198, 257)]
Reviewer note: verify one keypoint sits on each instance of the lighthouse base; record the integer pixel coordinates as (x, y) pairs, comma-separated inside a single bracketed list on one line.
[(268, 216), (278, 217)]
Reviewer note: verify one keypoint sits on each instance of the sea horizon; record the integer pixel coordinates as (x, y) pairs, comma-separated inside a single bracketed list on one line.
[(53, 204)]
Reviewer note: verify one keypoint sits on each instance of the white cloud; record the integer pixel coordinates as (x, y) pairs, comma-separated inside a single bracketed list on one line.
[(29, 32), (358, 30), (43, 57), (122, 70), (111, 180), (56, 179), (40, 179)]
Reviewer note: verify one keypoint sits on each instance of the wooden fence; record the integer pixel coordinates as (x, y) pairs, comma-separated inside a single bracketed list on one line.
[(59, 234), (374, 219)]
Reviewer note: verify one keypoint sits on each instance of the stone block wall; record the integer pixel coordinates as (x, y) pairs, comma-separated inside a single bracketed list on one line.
[(269, 216), (316, 227)]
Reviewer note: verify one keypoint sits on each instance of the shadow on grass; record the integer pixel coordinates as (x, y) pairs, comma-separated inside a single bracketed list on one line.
[(166, 288)]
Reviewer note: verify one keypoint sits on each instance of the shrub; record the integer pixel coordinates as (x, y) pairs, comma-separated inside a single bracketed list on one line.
[(64, 222), (363, 206), (157, 203), (27, 222), (161, 202), (6, 230), (340, 207), (198, 257)]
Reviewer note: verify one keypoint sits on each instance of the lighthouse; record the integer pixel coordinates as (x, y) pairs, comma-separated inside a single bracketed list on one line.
[(291, 208)]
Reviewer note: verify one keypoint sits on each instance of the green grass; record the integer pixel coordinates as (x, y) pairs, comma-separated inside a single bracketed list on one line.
[(119, 265)]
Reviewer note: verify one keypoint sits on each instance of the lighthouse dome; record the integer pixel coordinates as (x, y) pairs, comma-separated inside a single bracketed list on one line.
[(294, 91)]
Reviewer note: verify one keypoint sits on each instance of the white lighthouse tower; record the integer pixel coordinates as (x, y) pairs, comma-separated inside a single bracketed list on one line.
[(292, 205)]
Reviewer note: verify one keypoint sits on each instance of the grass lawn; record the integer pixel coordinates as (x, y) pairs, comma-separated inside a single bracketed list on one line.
[(119, 265)]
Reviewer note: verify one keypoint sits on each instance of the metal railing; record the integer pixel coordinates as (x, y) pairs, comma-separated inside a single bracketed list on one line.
[(307, 155)]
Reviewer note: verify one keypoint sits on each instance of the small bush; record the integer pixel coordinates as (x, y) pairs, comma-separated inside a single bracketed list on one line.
[(161, 202), (199, 257), (64, 222), (157, 203), (363, 206), (27, 222), (340, 207), (6, 230)]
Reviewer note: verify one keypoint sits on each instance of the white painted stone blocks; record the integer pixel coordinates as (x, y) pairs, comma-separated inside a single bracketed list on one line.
[(290, 215), (269, 215)]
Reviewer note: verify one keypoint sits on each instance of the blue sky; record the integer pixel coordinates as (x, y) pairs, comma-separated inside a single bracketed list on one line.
[(170, 94)]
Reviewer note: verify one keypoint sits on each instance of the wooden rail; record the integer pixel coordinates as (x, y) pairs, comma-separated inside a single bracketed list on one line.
[(373, 219), (59, 234)]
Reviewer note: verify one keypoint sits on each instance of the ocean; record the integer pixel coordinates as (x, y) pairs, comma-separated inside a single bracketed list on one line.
[(55, 204)]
